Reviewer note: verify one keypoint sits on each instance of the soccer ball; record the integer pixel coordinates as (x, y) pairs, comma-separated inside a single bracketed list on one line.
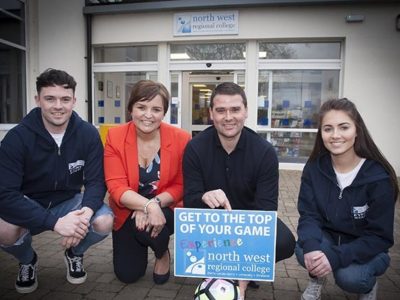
[(217, 289)]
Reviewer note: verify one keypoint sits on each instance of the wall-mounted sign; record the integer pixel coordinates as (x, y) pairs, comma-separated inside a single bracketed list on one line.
[(206, 23), (215, 243)]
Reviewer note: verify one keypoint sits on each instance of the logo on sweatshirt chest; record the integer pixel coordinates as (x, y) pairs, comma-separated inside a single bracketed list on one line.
[(76, 166), (359, 212)]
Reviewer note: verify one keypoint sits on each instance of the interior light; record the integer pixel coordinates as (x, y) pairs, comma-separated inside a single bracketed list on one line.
[(262, 54), (179, 56)]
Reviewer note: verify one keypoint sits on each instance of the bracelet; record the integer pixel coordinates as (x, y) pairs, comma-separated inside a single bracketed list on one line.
[(152, 200)]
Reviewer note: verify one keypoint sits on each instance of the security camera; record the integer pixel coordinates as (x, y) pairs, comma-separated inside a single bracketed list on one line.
[(208, 65)]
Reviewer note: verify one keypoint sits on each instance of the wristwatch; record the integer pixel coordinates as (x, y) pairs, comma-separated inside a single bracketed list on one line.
[(155, 200), (158, 200)]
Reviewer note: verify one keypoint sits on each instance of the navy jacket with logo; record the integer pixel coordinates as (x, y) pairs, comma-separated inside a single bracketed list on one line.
[(358, 218), (32, 165)]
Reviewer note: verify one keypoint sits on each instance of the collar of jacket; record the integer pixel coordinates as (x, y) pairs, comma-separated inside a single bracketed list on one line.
[(370, 171), (33, 120)]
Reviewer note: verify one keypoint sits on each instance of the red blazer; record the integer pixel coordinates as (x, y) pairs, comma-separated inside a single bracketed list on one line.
[(121, 166)]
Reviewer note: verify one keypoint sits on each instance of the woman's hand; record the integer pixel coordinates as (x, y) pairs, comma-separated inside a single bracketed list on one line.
[(317, 263), (156, 219), (140, 220)]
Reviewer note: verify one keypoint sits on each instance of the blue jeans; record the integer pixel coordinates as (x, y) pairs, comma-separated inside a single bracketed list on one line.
[(355, 278), (22, 249)]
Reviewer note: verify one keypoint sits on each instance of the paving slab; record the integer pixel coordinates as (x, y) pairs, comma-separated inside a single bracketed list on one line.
[(290, 281)]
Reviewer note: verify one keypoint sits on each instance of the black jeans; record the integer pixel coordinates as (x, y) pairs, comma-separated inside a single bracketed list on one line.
[(285, 241), (130, 247)]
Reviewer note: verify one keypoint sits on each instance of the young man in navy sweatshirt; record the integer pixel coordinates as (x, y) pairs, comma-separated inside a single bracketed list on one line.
[(44, 163)]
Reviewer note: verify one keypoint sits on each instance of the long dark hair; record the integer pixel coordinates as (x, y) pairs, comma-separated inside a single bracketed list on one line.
[(364, 145)]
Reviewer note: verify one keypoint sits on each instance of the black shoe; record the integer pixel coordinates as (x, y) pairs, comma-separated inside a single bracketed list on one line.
[(27, 280), (162, 278), (254, 285), (75, 272)]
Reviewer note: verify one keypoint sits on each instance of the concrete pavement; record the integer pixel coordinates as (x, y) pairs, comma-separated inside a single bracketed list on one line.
[(290, 278)]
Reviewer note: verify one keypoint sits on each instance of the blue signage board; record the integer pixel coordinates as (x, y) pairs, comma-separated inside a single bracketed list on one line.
[(215, 243)]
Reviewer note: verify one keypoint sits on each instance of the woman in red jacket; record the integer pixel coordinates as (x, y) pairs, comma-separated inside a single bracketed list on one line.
[(143, 171)]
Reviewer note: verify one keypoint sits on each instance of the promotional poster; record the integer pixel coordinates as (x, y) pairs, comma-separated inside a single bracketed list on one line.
[(216, 243)]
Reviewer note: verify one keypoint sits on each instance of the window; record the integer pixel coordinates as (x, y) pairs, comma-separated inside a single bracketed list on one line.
[(221, 51), (294, 80), (12, 61), (174, 107), (291, 146), (125, 54), (112, 91), (297, 96), (299, 50), (116, 69)]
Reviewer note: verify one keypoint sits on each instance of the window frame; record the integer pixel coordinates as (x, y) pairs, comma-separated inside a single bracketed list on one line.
[(7, 126), (271, 65)]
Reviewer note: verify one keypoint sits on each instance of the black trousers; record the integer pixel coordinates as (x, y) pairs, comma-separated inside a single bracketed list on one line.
[(285, 241), (130, 247)]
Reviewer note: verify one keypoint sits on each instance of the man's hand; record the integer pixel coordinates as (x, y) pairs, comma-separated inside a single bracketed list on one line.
[(87, 212), (74, 224), (216, 198), (317, 263), (70, 241)]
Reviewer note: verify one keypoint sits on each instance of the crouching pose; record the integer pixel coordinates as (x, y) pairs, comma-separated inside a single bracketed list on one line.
[(44, 163), (143, 170), (229, 166), (346, 205)]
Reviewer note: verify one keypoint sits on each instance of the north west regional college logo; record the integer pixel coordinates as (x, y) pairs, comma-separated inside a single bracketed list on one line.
[(195, 262), (184, 24)]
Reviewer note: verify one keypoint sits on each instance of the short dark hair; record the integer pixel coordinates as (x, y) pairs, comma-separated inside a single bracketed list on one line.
[(228, 88), (52, 77), (146, 90)]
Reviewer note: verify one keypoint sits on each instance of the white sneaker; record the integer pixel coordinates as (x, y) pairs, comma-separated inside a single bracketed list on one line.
[(371, 295), (314, 289)]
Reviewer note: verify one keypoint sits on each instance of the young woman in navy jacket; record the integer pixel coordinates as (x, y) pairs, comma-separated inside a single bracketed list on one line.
[(346, 205)]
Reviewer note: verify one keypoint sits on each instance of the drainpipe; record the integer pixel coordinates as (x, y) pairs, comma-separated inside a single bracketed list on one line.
[(89, 101)]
